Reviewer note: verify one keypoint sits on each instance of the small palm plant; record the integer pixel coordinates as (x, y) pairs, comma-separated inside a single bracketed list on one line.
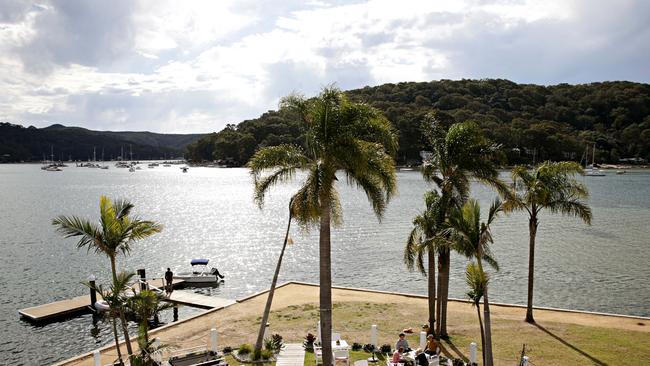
[(115, 297), (114, 234), (146, 305), (477, 282)]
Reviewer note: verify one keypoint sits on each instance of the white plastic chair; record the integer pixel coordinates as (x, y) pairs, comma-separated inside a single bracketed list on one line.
[(341, 355), (318, 354)]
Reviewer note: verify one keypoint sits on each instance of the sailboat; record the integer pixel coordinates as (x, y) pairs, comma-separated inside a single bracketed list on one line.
[(590, 170)]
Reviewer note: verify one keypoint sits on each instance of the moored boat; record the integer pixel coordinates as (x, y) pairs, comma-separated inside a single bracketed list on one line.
[(200, 273)]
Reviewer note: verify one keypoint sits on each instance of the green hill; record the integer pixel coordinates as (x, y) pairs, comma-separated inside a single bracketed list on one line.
[(18, 143), (536, 122)]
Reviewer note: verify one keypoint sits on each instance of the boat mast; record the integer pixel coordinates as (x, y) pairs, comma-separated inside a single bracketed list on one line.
[(593, 156)]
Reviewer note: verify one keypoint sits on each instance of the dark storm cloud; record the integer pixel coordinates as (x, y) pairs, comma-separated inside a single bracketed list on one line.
[(602, 43), (89, 33), (12, 11)]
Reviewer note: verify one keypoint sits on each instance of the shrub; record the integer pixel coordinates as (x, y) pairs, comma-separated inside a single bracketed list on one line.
[(356, 346), (227, 349), (369, 347), (245, 349), (266, 354), (308, 343), (277, 342), (385, 348)]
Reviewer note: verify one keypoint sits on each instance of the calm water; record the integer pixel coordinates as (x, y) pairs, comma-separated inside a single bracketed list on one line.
[(210, 213)]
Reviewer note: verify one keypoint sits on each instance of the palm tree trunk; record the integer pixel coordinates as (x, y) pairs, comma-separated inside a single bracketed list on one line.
[(117, 339), (487, 350), (444, 278), (127, 339), (432, 290), (439, 296), (325, 281), (532, 232), (269, 299), (480, 324)]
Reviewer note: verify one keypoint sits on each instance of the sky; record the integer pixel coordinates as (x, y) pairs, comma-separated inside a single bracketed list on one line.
[(195, 66)]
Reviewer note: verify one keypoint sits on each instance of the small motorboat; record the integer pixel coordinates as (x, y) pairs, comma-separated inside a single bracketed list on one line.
[(200, 274)]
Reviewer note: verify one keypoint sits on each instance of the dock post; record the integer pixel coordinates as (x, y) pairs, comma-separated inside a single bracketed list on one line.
[(213, 340), (472, 353), (97, 358), (143, 279), (175, 312), (93, 292)]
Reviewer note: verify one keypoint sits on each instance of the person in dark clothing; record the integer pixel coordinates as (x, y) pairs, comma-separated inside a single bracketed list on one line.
[(421, 358), (169, 277), (215, 272)]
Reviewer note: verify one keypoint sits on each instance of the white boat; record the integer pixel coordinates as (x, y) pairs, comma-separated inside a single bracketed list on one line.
[(591, 170), (200, 273)]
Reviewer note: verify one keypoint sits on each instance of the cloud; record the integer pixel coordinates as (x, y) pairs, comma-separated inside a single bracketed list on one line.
[(193, 67)]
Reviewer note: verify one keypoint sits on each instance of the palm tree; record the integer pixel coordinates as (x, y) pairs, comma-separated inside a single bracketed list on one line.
[(477, 281), (550, 186), (458, 154), (269, 299), (472, 238), (341, 136), (115, 234), (146, 305), (423, 239), (114, 295)]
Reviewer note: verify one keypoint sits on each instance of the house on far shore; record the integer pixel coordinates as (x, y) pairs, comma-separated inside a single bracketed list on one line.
[(636, 160)]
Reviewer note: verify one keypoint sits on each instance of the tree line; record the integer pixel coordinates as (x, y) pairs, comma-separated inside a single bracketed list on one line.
[(19, 143), (532, 122)]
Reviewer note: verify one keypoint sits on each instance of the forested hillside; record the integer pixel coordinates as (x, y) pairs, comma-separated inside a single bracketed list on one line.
[(18, 143), (531, 121)]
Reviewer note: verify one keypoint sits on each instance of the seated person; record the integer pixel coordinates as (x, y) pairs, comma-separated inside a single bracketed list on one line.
[(421, 358), (432, 346), (397, 356), (402, 343)]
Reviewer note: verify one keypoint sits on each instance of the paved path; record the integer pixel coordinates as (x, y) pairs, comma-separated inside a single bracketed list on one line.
[(291, 355)]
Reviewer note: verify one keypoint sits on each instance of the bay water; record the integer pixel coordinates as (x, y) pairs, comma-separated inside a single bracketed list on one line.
[(210, 213)]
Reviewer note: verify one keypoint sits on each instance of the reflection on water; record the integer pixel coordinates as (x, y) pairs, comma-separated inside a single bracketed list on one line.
[(209, 213)]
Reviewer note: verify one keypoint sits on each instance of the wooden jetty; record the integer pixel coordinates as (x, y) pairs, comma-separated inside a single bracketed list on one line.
[(82, 304), (58, 309), (198, 300)]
